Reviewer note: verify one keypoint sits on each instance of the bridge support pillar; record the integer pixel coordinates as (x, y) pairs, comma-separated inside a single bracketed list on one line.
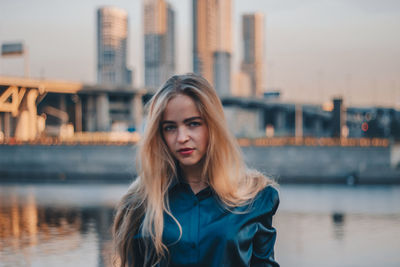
[(298, 121), (103, 113), (280, 121), (7, 125), (136, 111), (26, 129), (78, 113), (90, 114)]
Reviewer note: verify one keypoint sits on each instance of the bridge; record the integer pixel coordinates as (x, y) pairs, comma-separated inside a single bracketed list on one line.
[(30, 108)]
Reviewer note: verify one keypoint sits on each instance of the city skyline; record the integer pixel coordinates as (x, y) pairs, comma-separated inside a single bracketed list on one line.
[(314, 50)]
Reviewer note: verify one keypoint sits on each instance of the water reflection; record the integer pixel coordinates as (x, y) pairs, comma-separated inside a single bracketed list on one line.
[(36, 229), (69, 225), (339, 226), (338, 220)]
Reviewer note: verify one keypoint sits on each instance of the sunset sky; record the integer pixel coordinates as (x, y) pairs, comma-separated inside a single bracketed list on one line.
[(315, 49)]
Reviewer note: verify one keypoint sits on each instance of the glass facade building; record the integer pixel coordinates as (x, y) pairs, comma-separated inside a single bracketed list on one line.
[(212, 42), (112, 34), (253, 51), (159, 43)]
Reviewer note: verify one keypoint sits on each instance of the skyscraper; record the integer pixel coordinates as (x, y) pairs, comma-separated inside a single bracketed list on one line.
[(170, 42), (253, 51), (204, 37), (112, 33), (159, 42), (212, 42)]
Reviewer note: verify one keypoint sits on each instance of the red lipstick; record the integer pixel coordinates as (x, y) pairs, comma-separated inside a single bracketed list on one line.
[(186, 151)]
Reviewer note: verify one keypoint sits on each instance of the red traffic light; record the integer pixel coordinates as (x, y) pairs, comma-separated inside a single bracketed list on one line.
[(364, 127)]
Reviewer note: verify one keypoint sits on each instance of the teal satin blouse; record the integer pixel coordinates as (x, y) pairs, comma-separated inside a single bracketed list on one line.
[(214, 236)]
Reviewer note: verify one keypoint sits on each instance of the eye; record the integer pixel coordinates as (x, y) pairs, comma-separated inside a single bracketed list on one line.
[(194, 123), (169, 128)]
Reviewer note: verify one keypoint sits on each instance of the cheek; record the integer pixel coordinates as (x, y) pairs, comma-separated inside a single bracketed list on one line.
[(205, 137), (169, 141)]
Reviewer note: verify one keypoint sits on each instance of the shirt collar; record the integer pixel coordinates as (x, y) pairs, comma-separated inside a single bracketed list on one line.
[(175, 181), (178, 181)]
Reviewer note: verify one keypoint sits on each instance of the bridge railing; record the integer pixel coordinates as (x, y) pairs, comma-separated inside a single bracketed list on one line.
[(81, 138), (314, 141), (127, 138)]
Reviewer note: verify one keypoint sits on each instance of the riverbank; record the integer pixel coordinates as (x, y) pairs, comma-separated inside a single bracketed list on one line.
[(116, 163)]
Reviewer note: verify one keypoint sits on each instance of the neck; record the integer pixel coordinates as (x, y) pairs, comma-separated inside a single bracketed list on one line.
[(193, 176)]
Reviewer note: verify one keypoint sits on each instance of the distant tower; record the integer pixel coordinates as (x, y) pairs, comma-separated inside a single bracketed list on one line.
[(204, 37), (212, 42), (223, 51), (253, 51), (159, 42), (112, 33), (170, 43)]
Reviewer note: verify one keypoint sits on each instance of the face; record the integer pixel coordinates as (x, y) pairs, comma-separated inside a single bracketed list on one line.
[(185, 131)]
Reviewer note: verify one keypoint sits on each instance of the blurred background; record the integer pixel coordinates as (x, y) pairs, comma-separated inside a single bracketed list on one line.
[(310, 88)]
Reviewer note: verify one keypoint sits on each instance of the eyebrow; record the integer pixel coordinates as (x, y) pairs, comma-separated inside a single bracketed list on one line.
[(184, 121)]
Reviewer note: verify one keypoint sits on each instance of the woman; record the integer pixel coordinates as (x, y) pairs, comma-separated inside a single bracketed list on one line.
[(194, 202)]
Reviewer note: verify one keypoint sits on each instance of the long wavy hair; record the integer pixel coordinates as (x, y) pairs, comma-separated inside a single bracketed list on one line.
[(142, 207)]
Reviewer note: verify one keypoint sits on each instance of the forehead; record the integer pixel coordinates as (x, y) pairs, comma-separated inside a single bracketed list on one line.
[(180, 107)]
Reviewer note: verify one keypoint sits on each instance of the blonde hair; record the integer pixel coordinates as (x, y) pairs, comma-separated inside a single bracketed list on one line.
[(143, 206)]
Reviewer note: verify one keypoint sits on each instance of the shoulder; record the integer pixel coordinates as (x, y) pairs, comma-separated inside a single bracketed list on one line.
[(269, 191), (266, 197), (267, 200)]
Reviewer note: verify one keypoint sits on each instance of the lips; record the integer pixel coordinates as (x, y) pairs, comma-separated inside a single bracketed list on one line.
[(185, 151)]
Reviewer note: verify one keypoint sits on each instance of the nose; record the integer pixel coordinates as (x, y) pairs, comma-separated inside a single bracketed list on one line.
[(183, 135)]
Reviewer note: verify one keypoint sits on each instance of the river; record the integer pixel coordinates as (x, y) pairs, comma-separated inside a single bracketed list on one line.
[(317, 225)]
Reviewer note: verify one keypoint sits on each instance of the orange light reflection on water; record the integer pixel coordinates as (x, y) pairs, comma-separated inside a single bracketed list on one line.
[(30, 231)]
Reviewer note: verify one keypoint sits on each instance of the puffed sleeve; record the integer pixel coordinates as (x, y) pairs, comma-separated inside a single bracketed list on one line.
[(264, 239)]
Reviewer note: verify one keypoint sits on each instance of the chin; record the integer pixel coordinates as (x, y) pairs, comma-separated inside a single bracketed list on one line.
[(188, 163)]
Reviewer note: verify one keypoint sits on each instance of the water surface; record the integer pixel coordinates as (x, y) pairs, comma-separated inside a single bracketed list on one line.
[(318, 225)]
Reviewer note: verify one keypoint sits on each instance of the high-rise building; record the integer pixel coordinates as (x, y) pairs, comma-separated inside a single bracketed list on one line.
[(159, 42), (212, 42), (253, 51), (170, 42), (241, 84), (204, 37), (112, 33)]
